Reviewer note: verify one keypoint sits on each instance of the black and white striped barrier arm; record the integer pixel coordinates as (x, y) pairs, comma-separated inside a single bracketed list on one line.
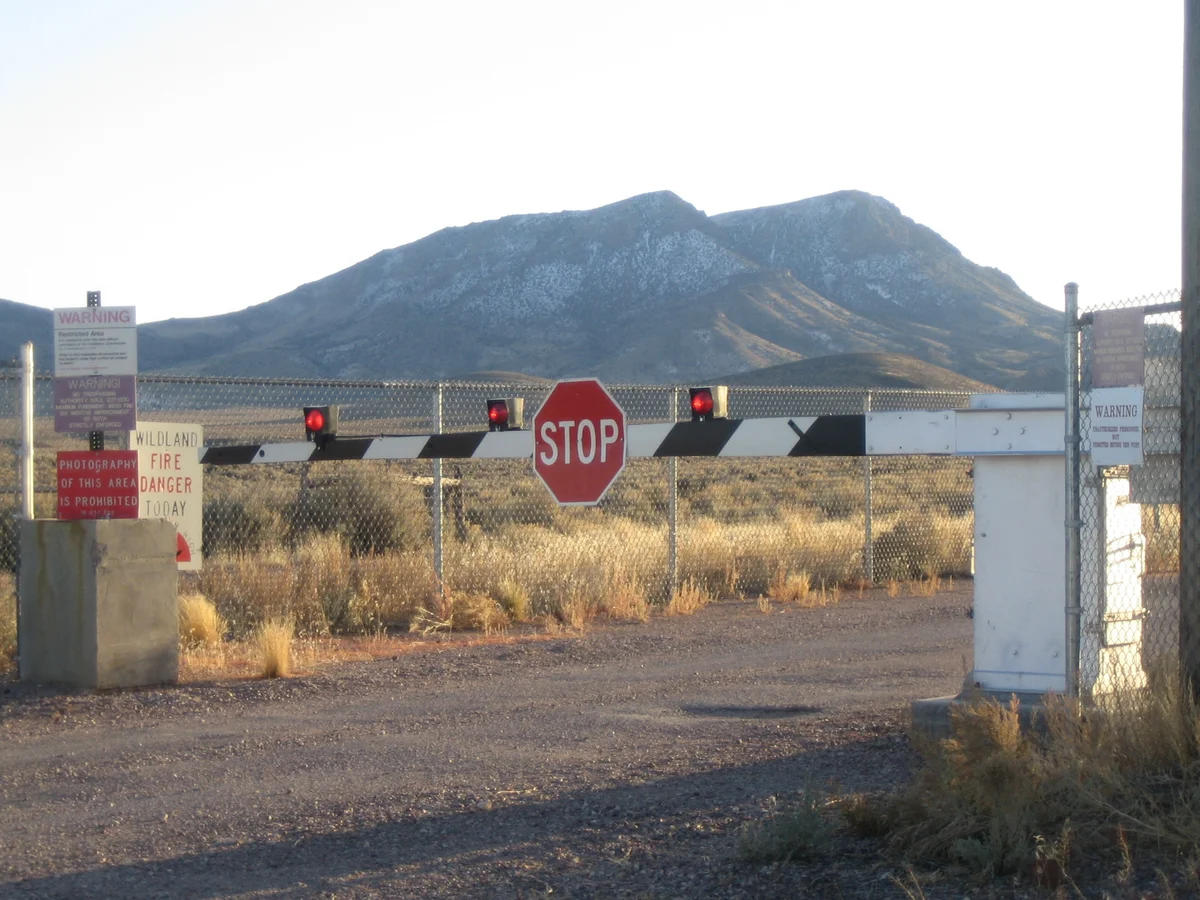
[(795, 436), (926, 433)]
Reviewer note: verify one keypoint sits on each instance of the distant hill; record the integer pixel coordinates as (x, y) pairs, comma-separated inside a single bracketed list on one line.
[(504, 378), (869, 370), (649, 289), (20, 323)]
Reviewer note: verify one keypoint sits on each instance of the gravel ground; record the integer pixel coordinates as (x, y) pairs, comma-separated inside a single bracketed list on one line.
[(623, 763)]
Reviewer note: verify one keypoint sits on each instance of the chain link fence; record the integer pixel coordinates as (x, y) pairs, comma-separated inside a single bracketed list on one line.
[(1128, 553), (352, 545)]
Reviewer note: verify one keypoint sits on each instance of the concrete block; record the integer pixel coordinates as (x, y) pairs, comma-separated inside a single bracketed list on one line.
[(99, 602), (931, 717)]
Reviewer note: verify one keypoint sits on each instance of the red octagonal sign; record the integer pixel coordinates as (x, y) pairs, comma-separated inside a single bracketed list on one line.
[(579, 441)]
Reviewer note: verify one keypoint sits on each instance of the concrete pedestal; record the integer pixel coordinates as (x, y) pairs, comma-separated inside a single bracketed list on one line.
[(99, 602)]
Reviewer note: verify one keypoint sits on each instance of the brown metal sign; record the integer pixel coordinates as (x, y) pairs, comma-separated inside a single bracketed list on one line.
[(1118, 347)]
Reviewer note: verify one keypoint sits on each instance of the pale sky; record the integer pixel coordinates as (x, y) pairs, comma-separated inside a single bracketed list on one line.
[(196, 158)]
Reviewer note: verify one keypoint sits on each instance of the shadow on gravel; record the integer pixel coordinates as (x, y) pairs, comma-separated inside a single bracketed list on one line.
[(519, 849), (750, 712)]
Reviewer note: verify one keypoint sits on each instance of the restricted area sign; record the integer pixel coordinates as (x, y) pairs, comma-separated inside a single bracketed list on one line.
[(579, 442)]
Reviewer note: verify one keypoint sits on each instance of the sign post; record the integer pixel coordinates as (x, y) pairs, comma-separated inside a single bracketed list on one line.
[(579, 442), (171, 483)]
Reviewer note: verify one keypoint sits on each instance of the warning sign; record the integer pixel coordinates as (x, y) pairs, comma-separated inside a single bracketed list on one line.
[(97, 485), (171, 482), (1118, 347), (1116, 426)]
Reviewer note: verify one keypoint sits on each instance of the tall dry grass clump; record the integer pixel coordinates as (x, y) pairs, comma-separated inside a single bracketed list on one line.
[(625, 597), (689, 598), (8, 621), (200, 625), (513, 599), (997, 799), (273, 643), (790, 587)]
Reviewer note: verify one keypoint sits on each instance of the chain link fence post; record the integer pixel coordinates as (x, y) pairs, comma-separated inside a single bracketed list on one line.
[(27, 483), (435, 498), (868, 538), (1072, 520), (673, 507)]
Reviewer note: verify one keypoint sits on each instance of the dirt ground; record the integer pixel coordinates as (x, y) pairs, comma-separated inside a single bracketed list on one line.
[(620, 763)]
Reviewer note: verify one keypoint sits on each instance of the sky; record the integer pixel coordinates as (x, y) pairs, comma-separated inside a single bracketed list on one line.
[(197, 158)]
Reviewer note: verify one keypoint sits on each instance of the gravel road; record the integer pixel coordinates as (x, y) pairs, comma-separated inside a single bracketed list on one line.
[(622, 763)]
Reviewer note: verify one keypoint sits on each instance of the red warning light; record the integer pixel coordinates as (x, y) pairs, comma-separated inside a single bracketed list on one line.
[(709, 403), (320, 424), (506, 414)]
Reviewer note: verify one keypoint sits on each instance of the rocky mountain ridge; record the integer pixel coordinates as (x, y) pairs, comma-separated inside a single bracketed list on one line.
[(648, 289)]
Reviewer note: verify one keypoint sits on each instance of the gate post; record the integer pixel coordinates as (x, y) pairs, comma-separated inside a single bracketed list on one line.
[(1071, 447)]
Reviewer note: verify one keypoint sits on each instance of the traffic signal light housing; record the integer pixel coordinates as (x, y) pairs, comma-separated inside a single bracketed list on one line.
[(709, 402), (506, 414), (320, 424)]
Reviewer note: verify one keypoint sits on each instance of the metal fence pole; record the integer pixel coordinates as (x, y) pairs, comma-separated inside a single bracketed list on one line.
[(436, 498), (1072, 523), (868, 539), (673, 509), (27, 483), (1189, 456)]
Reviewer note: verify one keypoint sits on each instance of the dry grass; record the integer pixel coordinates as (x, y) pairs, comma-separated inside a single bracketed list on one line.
[(573, 607), (738, 536), (200, 625), (513, 599), (590, 563), (476, 612), (893, 588), (625, 597), (689, 598), (1095, 784), (790, 587), (273, 641), (8, 621)]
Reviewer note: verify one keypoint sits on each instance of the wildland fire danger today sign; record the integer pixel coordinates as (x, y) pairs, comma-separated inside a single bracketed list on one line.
[(171, 482), (579, 442)]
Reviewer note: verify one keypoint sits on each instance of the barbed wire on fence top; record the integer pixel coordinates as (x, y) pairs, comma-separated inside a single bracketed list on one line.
[(1170, 295)]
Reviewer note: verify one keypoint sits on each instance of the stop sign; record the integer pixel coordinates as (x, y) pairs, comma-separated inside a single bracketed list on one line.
[(579, 441)]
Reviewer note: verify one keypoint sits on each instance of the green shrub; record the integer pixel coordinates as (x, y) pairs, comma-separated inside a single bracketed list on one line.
[(373, 514), (231, 526)]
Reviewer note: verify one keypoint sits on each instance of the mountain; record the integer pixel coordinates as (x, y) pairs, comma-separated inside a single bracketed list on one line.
[(20, 323), (861, 252), (869, 370), (649, 289)]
